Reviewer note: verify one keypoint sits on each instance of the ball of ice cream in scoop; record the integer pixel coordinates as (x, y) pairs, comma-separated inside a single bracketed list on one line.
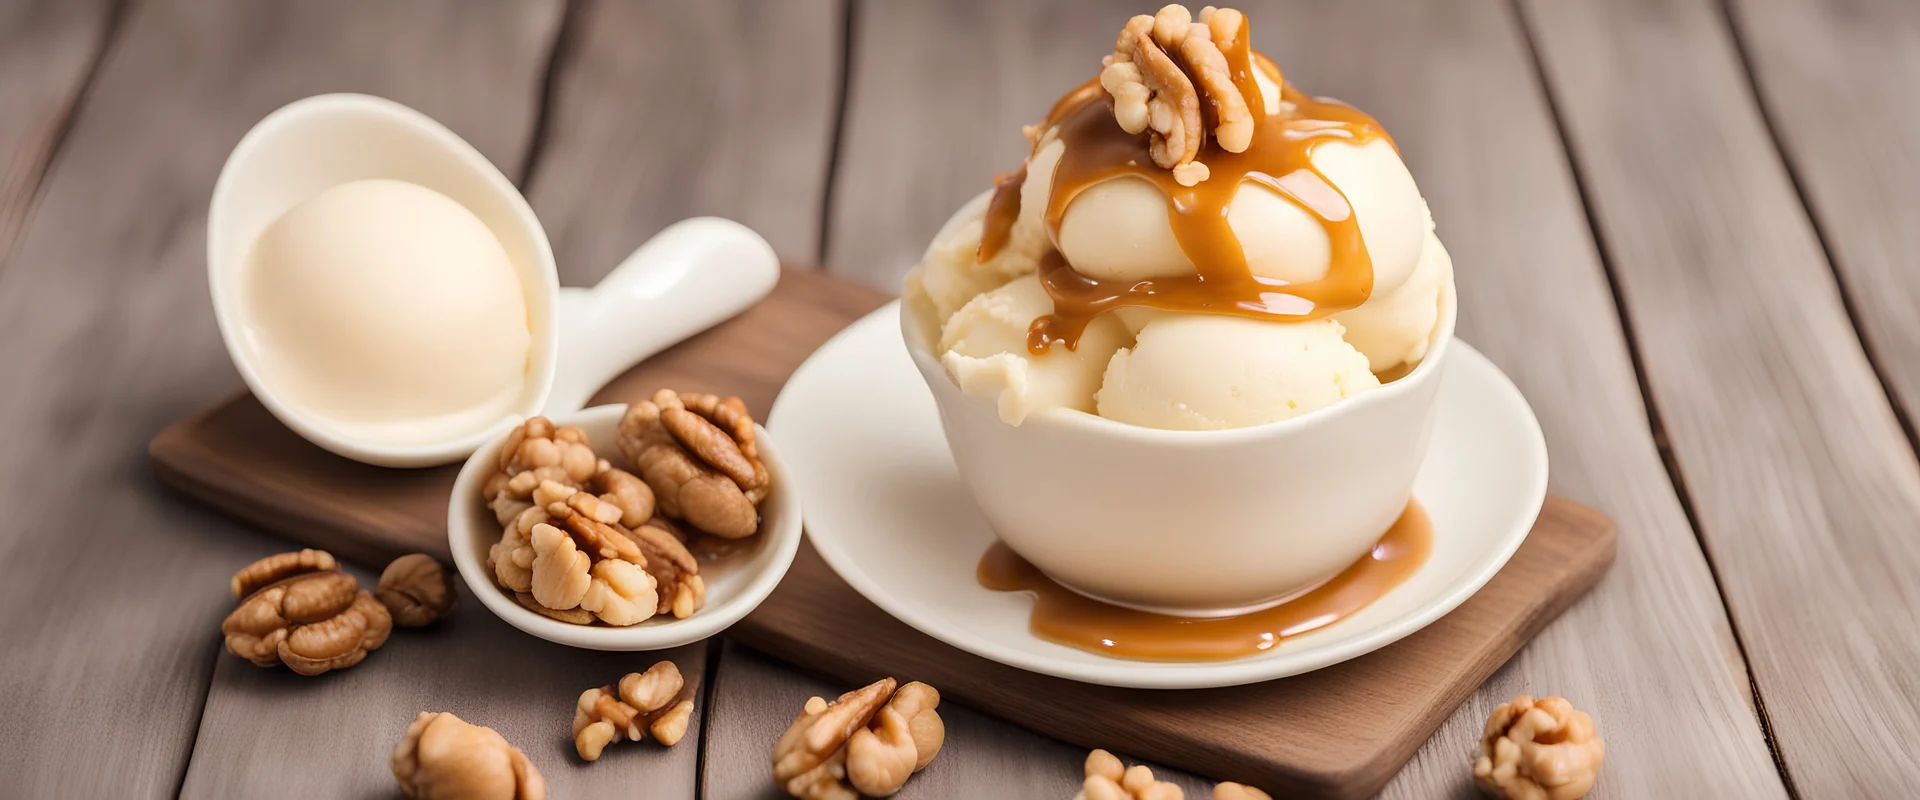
[(389, 310), (984, 348), (1212, 372)]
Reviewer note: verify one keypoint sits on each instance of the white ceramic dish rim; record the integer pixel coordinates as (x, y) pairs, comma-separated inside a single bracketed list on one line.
[(1094, 424), (781, 522), (1200, 675)]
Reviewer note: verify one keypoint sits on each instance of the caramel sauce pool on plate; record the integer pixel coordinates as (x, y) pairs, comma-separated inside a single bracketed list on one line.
[(1064, 617)]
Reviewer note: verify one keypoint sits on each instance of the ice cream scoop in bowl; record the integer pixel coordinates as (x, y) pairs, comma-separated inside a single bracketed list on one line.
[(1186, 356), (1193, 523)]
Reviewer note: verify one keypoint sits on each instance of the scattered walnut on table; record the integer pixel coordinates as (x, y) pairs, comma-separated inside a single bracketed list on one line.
[(279, 567), (1108, 779), (698, 454), (443, 757), (1234, 791), (1538, 750), (651, 703), (296, 613), (416, 590), (868, 742)]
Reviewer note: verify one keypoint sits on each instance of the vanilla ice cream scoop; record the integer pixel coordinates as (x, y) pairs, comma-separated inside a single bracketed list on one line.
[(1212, 372), (1117, 230), (984, 347), (388, 310)]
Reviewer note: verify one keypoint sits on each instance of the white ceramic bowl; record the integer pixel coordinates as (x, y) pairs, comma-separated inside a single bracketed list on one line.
[(734, 587), (1197, 523)]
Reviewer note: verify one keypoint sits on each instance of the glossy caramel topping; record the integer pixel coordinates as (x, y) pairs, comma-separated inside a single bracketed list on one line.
[(1064, 617), (1280, 158)]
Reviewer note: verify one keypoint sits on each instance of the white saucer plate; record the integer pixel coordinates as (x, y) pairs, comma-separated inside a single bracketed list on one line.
[(885, 507)]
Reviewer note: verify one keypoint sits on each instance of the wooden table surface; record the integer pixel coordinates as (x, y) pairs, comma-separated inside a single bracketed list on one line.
[(1684, 227)]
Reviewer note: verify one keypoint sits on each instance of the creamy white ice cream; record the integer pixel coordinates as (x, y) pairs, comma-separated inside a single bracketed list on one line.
[(1186, 365), (388, 310)]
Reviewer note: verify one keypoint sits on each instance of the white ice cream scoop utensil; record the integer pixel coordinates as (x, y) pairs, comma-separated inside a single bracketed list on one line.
[(692, 275)]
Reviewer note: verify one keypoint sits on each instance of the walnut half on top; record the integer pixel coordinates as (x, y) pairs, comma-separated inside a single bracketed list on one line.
[(1168, 75)]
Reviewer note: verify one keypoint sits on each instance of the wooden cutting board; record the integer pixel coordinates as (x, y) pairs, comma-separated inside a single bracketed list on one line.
[(1339, 732)]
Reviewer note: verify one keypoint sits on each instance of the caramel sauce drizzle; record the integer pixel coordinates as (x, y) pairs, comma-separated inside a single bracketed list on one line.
[(1280, 158), (1064, 617)]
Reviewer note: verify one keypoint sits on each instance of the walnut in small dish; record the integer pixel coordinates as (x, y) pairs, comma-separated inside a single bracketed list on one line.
[(866, 743), (300, 610), (1538, 750), (443, 757), (697, 452)]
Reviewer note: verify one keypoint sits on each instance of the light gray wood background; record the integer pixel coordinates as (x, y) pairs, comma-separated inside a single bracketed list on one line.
[(1684, 227)]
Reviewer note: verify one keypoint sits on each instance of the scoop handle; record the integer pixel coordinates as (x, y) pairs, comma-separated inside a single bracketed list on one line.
[(693, 275)]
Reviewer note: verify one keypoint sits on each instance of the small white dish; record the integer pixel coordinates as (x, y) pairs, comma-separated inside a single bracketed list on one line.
[(689, 277), (734, 587), (887, 510)]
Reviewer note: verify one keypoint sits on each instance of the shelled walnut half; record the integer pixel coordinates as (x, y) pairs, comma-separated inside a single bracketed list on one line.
[(866, 743), (1108, 779), (698, 454), (654, 703), (300, 610), (1539, 750), (443, 757), (416, 590)]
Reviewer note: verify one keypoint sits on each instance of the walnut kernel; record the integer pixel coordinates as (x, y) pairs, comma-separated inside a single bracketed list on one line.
[(1106, 780), (1538, 750), (416, 589), (560, 570), (654, 702), (871, 740), (310, 621), (697, 452), (442, 757)]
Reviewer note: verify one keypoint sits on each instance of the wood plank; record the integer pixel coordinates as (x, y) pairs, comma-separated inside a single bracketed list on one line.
[(1804, 487), (665, 110), (1836, 82), (1455, 84), (1339, 732), (982, 757), (600, 196), (47, 50), (105, 307)]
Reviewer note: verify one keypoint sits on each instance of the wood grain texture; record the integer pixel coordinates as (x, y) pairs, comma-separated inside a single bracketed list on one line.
[(667, 110), (275, 734), (982, 757), (1339, 732), (1836, 80), (1805, 490), (47, 50), (237, 457), (1454, 83), (105, 306)]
